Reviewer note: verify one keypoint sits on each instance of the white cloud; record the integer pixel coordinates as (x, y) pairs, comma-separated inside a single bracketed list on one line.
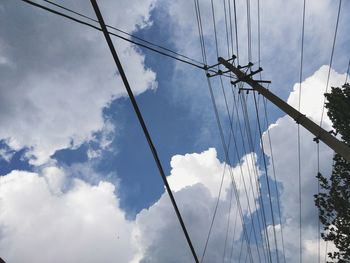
[(191, 169), (195, 179), (63, 77), (52, 210), (40, 222), (280, 46), (38, 211), (284, 141), (6, 154)]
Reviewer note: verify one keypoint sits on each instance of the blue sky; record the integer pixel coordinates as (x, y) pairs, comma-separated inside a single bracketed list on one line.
[(66, 118)]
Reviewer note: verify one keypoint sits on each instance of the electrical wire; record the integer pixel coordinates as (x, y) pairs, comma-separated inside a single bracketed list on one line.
[(200, 31), (255, 172), (318, 219), (347, 73), (227, 159), (231, 132), (235, 108), (279, 212), (242, 175), (121, 31), (214, 215), (267, 179), (231, 126), (298, 136), (228, 224), (259, 35), (275, 178), (143, 125), (236, 30), (231, 28), (331, 59), (233, 237), (324, 101), (226, 29), (254, 162), (249, 32), (216, 206), (118, 36)]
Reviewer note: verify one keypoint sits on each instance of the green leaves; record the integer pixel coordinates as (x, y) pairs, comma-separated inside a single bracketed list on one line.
[(333, 200)]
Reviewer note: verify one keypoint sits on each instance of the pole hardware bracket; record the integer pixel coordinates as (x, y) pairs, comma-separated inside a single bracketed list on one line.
[(247, 90), (297, 119), (246, 76), (335, 133), (316, 139), (249, 65)]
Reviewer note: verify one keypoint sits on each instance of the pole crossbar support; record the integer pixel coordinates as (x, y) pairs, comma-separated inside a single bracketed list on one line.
[(252, 73), (247, 90), (320, 133)]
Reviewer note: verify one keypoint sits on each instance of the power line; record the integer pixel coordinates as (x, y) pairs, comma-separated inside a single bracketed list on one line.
[(200, 30), (236, 29), (215, 34), (215, 210), (233, 236), (231, 29), (214, 215), (231, 130), (259, 33), (254, 162), (255, 172), (331, 59), (228, 224), (256, 135), (227, 159), (347, 73), (121, 31), (241, 171), (298, 136), (213, 100), (267, 178), (249, 33), (143, 125), (119, 36), (279, 212), (318, 218), (323, 106), (226, 30), (275, 179)]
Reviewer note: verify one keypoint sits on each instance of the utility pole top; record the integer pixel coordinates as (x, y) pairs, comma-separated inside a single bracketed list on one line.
[(320, 133)]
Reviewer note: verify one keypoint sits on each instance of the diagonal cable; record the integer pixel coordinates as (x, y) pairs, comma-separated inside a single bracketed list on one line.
[(143, 125)]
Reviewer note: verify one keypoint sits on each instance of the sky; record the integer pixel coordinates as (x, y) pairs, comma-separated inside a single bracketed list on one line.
[(77, 179)]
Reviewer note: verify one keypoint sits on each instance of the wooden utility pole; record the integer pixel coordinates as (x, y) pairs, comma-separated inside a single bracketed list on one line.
[(320, 133)]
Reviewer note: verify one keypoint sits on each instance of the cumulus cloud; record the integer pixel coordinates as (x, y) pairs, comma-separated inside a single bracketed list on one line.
[(50, 101), (43, 210), (280, 46), (284, 140), (195, 179), (71, 220), (58, 76), (40, 222)]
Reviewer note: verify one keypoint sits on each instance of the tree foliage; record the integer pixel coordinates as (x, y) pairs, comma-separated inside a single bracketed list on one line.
[(333, 201)]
